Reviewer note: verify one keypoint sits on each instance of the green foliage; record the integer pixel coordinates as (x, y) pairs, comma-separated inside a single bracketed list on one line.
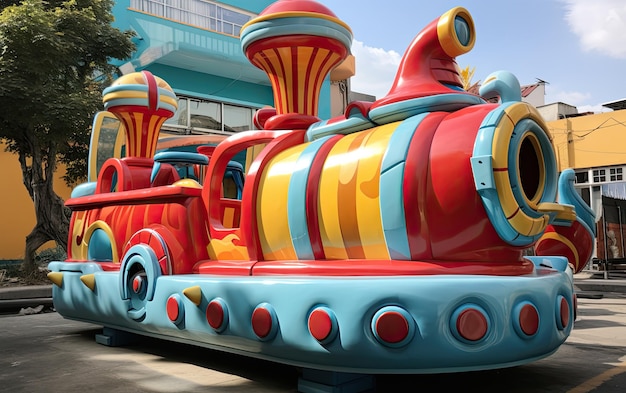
[(50, 54)]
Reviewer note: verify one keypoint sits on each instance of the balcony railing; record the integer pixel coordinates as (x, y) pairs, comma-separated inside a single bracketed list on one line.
[(204, 14)]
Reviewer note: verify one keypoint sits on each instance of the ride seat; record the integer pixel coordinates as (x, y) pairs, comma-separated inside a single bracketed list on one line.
[(163, 174)]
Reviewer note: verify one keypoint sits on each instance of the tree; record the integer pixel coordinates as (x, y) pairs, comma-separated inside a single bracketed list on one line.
[(54, 62)]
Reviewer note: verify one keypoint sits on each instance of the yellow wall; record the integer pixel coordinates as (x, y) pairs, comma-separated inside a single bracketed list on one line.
[(17, 215), (590, 141)]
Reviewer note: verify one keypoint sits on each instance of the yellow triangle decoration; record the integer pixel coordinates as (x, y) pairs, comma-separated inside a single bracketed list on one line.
[(89, 280), (56, 278), (194, 294)]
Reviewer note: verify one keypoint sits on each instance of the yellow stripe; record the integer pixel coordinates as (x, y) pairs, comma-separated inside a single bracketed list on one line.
[(79, 251), (305, 55), (446, 31), (284, 54), (278, 70), (332, 62), (169, 100), (99, 224), (154, 127), (273, 196), (130, 132), (564, 240), (519, 220), (368, 193), (138, 118), (597, 381), (125, 94), (95, 137)]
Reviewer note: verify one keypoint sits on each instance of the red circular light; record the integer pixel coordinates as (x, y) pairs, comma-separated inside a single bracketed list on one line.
[(392, 327), (262, 322), (215, 314), (564, 312), (471, 324), (173, 309), (529, 320), (137, 284), (320, 324)]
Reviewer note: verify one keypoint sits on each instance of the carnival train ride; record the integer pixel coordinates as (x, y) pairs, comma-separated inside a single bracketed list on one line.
[(388, 240)]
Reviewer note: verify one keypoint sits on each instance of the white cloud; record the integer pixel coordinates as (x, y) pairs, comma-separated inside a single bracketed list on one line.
[(593, 108), (600, 25), (569, 97), (578, 99), (375, 69)]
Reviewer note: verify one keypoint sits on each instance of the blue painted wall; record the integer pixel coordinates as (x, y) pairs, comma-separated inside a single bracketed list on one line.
[(214, 87)]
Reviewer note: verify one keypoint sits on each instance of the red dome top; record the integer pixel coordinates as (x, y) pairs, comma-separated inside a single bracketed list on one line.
[(297, 6)]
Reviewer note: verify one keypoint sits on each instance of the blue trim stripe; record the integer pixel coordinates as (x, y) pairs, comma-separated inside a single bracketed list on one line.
[(404, 109), (482, 168), (296, 204), (123, 87), (295, 25), (345, 127), (126, 101), (391, 188)]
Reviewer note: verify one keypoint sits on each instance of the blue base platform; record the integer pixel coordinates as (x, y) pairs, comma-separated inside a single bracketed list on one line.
[(431, 303)]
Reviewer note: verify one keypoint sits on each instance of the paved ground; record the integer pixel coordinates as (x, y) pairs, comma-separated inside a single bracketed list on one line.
[(46, 353)]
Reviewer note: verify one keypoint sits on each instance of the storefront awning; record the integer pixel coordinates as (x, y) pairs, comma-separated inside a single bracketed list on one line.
[(614, 190)]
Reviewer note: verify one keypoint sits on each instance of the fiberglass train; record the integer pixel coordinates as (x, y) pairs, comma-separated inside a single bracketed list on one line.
[(388, 240)]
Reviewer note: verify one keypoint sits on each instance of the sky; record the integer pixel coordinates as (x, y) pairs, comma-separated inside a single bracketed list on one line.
[(577, 46)]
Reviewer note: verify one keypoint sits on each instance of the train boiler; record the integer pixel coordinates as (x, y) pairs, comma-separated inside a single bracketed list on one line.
[(392, 239)]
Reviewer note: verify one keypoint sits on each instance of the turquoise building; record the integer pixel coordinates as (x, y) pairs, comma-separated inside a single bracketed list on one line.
[(194, 45)]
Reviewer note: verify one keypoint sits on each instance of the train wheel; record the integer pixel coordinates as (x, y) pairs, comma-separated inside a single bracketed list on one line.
[(138, 274), (155, 240)]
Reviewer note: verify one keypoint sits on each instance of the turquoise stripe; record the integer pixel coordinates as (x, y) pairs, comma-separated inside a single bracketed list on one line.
[(126, 101), (391, 188), (137, 102), (295, 25), (115, 88), (296, 204), (482, 169), (345, 127), (404, 109)]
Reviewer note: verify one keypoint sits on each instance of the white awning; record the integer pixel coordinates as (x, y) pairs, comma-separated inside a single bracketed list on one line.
[(614, 190)]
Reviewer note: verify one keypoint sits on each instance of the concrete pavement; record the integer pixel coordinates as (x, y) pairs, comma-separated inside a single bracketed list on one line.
[(46, 353)]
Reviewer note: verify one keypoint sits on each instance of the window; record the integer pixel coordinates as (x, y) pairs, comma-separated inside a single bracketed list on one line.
[(582, 177), (237, 118), (599, 175), (585, 194), (204, 14), (615, 174), (195, 114), (205, 114)]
